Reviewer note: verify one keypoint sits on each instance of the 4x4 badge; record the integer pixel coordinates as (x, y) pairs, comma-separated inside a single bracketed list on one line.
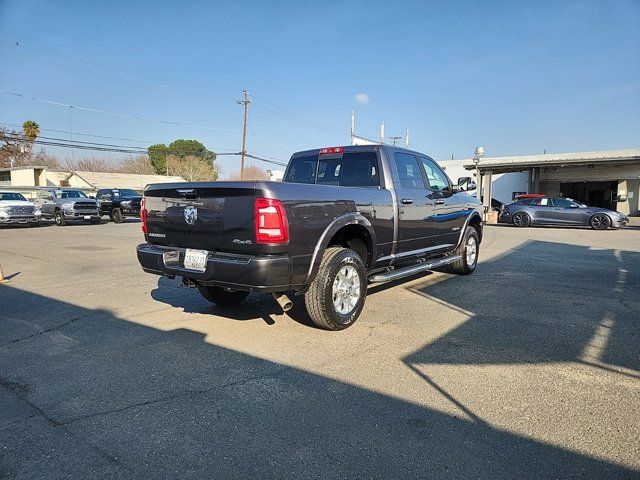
[(190, 215)]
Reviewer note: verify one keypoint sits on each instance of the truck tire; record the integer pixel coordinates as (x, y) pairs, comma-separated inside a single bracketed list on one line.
[(468, 250), (116, 216), (336, 296), (222, 296), (59, 218)]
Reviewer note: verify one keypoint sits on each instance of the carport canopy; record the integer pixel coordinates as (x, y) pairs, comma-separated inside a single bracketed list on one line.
[(488, 166)]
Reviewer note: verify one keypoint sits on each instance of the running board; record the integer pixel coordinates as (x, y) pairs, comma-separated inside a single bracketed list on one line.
[(407, 271)]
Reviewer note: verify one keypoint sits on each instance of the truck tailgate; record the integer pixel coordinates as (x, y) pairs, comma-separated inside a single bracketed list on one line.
[(209, 216)]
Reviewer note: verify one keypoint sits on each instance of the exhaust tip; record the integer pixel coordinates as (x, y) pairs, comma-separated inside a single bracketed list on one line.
[(285, 302)]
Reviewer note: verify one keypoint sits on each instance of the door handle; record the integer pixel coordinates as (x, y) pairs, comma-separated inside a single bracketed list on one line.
[(406, 201), (439, 202)]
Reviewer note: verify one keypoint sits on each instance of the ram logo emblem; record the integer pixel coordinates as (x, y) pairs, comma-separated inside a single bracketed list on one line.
[(190, 215)]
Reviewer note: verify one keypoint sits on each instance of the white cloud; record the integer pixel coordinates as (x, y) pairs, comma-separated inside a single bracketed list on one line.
[(361, 98)]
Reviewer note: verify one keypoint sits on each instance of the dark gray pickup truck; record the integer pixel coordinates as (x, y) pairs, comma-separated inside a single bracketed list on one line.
[(342, 218)]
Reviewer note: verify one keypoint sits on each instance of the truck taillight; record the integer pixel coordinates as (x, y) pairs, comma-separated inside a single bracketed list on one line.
[(143, 214), (270, 221)]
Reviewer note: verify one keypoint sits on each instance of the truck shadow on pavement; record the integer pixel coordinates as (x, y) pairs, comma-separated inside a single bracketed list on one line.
[(85, 393), (255, 306)]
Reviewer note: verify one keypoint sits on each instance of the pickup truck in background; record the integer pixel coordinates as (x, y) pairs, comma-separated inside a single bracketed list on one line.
[(15, 209), (119, 203), (342, 218), (67, 205)]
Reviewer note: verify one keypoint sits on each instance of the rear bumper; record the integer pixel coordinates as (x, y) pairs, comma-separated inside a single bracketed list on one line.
[(268, 273)]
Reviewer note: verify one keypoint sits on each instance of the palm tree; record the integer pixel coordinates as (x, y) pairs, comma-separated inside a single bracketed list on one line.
[(31, 130)]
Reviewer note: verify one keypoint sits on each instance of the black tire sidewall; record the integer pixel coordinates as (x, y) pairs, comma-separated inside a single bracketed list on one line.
[(116, 216), (469, 232), (344, 258), (58, 217)]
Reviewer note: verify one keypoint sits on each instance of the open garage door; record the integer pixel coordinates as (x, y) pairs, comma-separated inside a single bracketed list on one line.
[(595, 194)]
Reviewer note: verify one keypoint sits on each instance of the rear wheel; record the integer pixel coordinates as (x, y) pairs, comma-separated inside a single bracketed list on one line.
[(221, 295), (336, 296), (600, 221), (59, 218), (521, 219), (468, 251), (116, 216)]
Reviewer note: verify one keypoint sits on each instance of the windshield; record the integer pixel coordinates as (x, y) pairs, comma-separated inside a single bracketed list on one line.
[(125, 192), (12, 196), (71, 194)]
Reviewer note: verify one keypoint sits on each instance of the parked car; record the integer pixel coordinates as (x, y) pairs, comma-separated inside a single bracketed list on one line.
[(119, 203), (66, 204), (342, 218), (543, 210), (15, 209)]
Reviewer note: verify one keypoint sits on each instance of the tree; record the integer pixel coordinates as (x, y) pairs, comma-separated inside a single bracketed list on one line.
[(179, 148), (191, 168), (10, 151), (44, 159), (139, 165), (251, 173), (31, 130), (17, 148), (90, 165), (158, 157)]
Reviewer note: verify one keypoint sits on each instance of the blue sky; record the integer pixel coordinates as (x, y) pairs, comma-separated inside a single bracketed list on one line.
[(515, 77)]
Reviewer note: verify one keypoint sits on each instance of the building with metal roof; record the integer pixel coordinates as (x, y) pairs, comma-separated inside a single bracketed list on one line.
[(28, 180), (609, 178)]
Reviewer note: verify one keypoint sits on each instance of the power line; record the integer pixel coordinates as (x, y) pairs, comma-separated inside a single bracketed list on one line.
[(294, 117), (14, 125), (11, 47), (105, 147), (125, 115), (268, 106), (139, 117)]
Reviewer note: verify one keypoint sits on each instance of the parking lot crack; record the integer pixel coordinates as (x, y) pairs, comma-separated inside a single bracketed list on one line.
[(172, 397), (49, 330)]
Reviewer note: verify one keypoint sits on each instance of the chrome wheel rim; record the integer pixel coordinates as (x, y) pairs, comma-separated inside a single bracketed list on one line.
[(472, 250), (346, 290)]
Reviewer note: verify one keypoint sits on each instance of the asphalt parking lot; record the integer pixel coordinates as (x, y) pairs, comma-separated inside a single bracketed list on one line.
[(529, 368)]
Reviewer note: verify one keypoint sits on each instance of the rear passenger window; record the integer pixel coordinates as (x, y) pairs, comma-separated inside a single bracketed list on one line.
[(302, 170), (356, 169), (409, 172), (359, 169)]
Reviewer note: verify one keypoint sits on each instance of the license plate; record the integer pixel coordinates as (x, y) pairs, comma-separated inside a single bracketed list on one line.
[(195, 259), (87, 217)]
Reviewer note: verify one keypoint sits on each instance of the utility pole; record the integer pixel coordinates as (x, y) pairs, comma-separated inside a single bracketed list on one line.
[(395, 140), (245, 101)]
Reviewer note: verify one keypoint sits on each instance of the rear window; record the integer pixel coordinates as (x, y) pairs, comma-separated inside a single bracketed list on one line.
[(355, 169)]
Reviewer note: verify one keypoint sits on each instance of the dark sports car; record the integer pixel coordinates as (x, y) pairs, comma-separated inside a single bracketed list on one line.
[(560, 211)]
